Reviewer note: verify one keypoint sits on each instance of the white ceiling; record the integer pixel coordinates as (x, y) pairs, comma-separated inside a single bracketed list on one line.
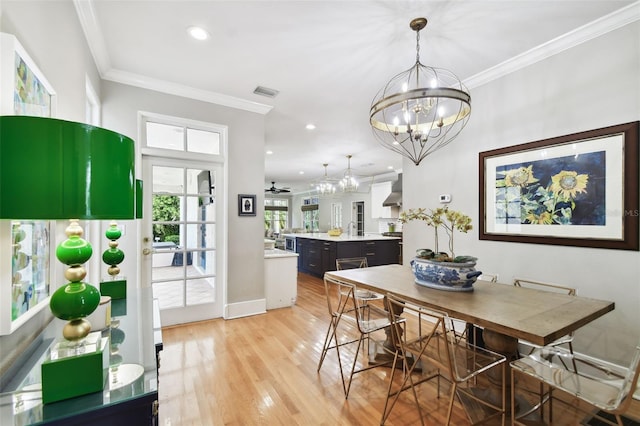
[(328, 59)]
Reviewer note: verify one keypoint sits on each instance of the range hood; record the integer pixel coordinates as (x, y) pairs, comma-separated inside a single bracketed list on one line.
[(395, 198)]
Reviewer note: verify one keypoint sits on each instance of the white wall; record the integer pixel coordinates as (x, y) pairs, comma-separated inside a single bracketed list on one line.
[(593, 85)]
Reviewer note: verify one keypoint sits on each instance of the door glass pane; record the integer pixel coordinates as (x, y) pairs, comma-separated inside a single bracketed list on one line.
[(171, 292), (167, 266), (203, 264), (166, 216), (203, 141), (200, 290), (167, 180), (165, 136), (201, 235)]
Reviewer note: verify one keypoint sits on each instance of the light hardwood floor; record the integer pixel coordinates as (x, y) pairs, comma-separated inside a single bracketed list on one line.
[(261, 370)]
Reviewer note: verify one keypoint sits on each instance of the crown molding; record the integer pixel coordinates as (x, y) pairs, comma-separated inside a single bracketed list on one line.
[(163, 86), (98, 47), (597, 28), (93, 35)]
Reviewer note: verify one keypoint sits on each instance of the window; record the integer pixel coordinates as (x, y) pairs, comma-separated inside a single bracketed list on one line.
[(336, 215), (181, 137), (310, 214), (276, 214)]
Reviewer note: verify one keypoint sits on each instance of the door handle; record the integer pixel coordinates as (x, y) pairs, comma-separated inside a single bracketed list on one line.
[(146, 251)]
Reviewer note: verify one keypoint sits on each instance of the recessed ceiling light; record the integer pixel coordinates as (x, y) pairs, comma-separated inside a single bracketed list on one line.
[(311, 126), (269, 152), (198, 33), (390, 167), (301, 172)]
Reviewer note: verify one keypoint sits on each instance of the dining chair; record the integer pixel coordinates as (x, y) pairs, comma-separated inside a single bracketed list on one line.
[(599, 384), (354, 322), (355, 263), (427, 350), (539, 285), (351, 263)]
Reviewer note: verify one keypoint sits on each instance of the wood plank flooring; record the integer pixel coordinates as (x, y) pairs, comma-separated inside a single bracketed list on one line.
[(261, 370)]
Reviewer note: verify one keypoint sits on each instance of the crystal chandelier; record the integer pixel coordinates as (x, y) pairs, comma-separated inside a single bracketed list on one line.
[(325, 187), (349, 183), (421, 109)]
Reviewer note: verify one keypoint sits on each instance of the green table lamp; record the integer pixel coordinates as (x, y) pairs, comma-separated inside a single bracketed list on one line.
[(55, 169)]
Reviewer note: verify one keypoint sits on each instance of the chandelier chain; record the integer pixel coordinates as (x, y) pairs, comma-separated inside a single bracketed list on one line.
[(417, 46)]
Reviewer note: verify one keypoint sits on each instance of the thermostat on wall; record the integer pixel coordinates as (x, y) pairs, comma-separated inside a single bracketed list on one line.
[(445, 198)]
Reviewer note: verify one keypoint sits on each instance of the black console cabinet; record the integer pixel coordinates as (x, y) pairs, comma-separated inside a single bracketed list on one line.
[(135, 339)]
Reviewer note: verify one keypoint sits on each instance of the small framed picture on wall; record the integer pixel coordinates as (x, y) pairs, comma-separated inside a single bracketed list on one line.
[(246, 205)]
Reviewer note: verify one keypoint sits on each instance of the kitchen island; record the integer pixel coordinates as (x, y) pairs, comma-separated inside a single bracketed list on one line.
[(318, 251), (280, 278)]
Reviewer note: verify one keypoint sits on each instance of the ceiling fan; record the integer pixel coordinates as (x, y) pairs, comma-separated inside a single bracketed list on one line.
[(275, 190)]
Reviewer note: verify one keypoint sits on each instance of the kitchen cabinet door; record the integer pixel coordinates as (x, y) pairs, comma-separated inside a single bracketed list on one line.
[(379, 193)]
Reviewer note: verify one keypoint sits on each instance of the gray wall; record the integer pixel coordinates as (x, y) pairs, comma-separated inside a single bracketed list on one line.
[(593, 85), (121, 104)]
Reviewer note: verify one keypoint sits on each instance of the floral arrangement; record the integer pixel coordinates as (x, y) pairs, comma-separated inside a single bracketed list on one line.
[(450, 221), (544, 205)]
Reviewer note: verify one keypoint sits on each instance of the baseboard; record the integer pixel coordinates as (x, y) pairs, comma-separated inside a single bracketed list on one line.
[(245, 309)]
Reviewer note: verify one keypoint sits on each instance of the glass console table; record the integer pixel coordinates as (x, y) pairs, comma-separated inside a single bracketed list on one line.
[(130, 395)]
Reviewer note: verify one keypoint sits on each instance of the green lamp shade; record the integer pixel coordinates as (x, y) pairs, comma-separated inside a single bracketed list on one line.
[(138, 199), (56, 169)]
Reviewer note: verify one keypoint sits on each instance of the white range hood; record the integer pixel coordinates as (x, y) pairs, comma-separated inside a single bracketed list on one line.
[(395, 198)]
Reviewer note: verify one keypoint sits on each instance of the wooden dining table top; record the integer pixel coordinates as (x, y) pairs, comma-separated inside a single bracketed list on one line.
[(533, 315)]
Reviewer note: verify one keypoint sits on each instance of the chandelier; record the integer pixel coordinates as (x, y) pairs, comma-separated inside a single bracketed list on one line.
[(325, 187), (349, 183), (421, 109)]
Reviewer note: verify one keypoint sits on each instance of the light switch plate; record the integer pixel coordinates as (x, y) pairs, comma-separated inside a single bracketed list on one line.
[(445, 198)]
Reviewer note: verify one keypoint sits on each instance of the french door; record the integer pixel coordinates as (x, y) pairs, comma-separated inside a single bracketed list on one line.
[(182, 238)]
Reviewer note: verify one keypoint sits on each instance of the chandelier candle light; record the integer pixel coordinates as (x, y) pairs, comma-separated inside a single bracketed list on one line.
[(349, 183), (325, 187), (421, 109)]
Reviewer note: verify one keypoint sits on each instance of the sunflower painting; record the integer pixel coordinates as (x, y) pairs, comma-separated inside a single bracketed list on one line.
[(556, 191)]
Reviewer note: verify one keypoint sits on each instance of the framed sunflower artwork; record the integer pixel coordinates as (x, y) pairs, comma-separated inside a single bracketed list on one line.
[(575, 190)]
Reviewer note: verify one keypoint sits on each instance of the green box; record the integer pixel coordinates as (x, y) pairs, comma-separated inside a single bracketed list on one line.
[(68, 372), (118, 308), (116, 289)]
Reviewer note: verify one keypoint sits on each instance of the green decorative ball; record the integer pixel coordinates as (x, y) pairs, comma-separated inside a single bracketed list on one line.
[(113, 256), (74, 251), (74, 300), (113, 233)]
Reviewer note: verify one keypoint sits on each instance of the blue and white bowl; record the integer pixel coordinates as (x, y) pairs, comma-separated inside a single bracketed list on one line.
[(448, 276)]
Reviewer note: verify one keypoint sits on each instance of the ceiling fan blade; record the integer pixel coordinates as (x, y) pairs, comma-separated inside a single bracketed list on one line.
[(275, 190)]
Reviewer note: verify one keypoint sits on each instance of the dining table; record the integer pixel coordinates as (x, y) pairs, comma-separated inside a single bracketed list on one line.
[(506, 313)]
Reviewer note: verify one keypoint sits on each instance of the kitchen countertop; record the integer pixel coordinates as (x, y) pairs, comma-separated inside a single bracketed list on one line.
[(344, 237), (273, 253)]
